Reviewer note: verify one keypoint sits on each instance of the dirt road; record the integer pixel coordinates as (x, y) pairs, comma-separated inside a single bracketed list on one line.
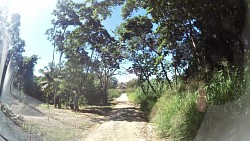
[(125, 123), (121, 122)]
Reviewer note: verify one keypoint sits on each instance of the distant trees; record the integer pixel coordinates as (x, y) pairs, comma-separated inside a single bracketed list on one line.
[(79, 34), (10, 38), (113, 83), (16, 44), (24, 79), (132, 83), (24, 76)]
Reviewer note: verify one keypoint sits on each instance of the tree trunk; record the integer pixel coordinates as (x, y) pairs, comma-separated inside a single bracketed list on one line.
[(105, 87), (67, 101), (105, 95), (55, 98), (60, 104), (175, 74), (47, 97), (76, 106), (60, 62)]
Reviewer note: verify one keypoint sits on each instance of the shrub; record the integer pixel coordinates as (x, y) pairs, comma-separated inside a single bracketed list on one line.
[(224, 87), (114, 93), (132, 83), (146, 101), (131, 93), (176, 117)]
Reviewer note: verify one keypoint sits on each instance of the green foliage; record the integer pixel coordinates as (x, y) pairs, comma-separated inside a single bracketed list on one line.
[(23, 79), (16, 42), (79, 34), (135, 95), (203, 34), (113, 83), (145, 100), (176, 117), (225, 86), (175, 114), (132, 84), (190, 36), (131, 94), (142, 50), (82, 100), (114, 93), (130, 6)]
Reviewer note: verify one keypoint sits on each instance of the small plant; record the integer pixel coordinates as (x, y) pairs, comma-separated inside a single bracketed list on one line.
[(146, 101), (114, 93), (225, 86), (176, 116), (131, 94)]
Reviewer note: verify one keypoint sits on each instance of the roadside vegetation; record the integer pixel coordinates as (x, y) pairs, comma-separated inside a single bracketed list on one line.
[(187, 56), (175, 112), (114, 93)]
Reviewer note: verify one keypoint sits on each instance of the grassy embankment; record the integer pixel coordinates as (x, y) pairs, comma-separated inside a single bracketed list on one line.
[(174, 112)]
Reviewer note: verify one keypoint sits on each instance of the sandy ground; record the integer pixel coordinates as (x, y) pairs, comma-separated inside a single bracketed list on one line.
[(126, 124), (122, 122)]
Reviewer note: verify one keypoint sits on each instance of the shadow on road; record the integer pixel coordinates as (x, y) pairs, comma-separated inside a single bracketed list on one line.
[(122, 110), (130, 114)]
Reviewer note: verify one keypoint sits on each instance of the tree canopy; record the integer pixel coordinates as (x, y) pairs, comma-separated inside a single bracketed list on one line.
[(185, 38)]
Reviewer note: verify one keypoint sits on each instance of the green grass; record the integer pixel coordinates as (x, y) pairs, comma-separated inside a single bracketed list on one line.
[(225, 86), (44, 105), (131, 93), (173, 112), (176, 116), (146, 102), (114, 93)]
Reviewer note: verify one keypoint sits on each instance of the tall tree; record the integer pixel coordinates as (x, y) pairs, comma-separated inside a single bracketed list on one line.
[(25, 77), (89, 36), (10, 33), (16, 43), (198, 35), (65, 18), (208, 30), (142, 49)]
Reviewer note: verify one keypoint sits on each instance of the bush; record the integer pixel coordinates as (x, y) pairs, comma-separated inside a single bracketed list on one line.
[(146, 101), (131, 93), (224, 87), (176, 116), (132, 83), (94, 96), (114, 93)]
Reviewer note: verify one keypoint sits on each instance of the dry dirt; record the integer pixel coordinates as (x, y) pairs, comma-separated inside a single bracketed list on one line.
[(122, 122), (125, 124)]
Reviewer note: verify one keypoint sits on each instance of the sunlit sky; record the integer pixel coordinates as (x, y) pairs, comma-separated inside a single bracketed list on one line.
[(36, 18)]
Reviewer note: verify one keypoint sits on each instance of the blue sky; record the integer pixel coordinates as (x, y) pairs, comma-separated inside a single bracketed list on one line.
[(36, 18)]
